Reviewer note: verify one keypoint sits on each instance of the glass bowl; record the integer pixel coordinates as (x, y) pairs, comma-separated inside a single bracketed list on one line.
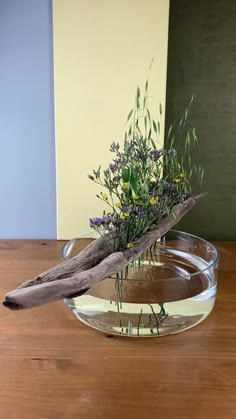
[(169, 289)]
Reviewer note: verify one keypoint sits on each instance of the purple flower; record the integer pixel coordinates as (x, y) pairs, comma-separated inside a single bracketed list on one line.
[(99, 221), (113, 167), (121, 161), (96, 222), (117, 222), (114, 147), (155, 154), (107, 219), (96, 173), (140, 211), (167, 188), (141, 155)]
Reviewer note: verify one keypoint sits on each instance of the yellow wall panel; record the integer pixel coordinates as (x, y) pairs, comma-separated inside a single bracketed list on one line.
[(102, 50)]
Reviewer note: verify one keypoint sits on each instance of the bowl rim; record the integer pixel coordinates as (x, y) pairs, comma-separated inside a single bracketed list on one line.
[(69, 244)]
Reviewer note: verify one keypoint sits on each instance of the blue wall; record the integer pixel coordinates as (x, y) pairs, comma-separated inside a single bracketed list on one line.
[(27, 157)]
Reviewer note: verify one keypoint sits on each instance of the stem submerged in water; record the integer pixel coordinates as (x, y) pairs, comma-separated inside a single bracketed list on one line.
[(136, 326)]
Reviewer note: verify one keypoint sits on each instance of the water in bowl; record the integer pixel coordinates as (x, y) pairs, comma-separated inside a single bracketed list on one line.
[(172, 291)]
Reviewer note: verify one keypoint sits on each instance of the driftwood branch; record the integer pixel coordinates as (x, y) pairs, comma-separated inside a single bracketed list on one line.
[(91, 265), (89, 257)]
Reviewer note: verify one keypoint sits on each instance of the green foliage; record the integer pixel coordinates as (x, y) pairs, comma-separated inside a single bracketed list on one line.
[(144, 182)]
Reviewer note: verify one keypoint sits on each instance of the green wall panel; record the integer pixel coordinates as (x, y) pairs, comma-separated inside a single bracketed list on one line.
[(202, 60)]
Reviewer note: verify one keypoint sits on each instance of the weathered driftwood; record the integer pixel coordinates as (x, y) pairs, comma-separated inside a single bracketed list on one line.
[(93, 264), (89, 257)]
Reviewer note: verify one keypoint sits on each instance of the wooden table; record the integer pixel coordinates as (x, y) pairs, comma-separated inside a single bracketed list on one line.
[(53, 366)]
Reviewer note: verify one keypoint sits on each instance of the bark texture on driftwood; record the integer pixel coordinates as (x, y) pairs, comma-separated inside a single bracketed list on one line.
[(91, 265), (89, 257)]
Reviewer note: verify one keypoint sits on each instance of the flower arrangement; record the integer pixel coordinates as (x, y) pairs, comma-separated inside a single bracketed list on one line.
[(143, 181), (147, 189)]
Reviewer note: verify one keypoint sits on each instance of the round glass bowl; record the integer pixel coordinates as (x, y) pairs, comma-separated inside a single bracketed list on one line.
[(169, 289)]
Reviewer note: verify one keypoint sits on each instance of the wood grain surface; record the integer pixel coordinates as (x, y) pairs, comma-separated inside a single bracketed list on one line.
[(52, 366)]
